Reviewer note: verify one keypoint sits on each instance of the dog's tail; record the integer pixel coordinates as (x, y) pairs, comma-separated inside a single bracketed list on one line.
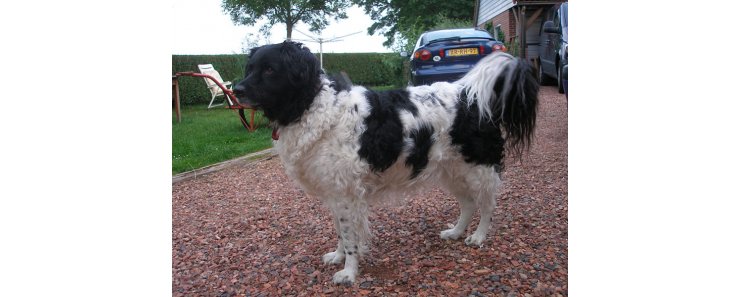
[(505, 90)]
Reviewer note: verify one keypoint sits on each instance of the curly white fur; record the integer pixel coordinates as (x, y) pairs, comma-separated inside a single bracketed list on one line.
[(320, 152)]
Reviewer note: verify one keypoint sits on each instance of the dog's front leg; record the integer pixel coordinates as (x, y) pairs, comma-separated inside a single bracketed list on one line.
[(352, 222)]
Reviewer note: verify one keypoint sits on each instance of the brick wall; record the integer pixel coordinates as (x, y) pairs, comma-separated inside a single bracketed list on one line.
[(507, 22)]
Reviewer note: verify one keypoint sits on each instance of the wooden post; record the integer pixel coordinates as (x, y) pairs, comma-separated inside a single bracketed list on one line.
[(515, 38), (523, 32), (176, 96)]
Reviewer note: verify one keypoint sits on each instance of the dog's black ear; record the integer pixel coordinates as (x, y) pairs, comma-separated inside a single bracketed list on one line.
[(253, 50), (303, 65)]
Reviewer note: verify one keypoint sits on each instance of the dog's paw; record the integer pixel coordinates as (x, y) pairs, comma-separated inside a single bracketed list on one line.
[(475, 240), (345, 276), (450, 234), (333, 258)]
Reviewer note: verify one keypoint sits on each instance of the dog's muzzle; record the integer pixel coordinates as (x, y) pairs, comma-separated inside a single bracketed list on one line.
[(241, 94)]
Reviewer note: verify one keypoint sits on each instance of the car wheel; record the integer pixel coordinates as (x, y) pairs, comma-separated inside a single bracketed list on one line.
[(542, 78), (561, 90)]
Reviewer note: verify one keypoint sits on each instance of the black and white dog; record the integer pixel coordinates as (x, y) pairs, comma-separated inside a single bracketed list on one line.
[(352, 147)]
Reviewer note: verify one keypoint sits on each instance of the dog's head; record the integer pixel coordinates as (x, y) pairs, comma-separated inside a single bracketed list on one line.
[(281, 79)]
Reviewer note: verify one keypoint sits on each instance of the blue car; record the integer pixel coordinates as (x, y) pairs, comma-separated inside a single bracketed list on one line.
[(446, 55)]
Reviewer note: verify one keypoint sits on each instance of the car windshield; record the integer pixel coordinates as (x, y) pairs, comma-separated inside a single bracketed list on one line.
[(445, 34)]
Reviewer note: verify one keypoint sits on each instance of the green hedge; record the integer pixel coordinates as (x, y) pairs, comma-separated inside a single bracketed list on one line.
[(367, 69)]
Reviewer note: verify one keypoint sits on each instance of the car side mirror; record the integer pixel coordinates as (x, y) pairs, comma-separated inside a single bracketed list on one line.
[(549, 27)]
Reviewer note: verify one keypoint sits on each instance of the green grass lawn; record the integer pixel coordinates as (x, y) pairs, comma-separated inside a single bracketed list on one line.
[(208, 136)]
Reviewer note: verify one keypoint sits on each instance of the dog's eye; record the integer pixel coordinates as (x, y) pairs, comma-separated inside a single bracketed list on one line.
[(269, 70)]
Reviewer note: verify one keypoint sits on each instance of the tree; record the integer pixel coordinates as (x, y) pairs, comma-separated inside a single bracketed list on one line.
[(250, 41), (315, 13), (409, 36), (400, 20)]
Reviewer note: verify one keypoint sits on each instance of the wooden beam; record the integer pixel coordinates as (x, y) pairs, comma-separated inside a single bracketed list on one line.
[(516, 20), (522, 32), (475, 14), (515, 13), (534, 17)]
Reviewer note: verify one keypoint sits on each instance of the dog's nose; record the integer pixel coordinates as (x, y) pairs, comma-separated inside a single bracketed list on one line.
[(240, 91)]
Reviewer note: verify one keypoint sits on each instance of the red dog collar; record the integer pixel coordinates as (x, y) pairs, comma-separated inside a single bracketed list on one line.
[(275, 134)]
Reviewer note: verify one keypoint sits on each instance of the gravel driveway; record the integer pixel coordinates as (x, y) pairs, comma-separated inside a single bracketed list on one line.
[(249, 231)]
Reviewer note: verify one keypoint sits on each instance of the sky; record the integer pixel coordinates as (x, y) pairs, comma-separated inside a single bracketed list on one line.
[(201, 27)]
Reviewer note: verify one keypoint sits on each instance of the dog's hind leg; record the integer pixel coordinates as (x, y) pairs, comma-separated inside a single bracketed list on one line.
[(467, 207), (335, 257), (459, 186), (353, 231), (486, 200)]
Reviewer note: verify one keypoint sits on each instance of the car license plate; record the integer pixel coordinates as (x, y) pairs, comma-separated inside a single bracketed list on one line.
[(462, 52)]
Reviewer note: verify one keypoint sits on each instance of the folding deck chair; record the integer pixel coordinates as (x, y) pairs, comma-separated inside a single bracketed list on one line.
[(212, 86)]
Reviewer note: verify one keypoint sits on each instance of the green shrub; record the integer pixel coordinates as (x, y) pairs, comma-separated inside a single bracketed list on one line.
[(368, 69), (513, 47)]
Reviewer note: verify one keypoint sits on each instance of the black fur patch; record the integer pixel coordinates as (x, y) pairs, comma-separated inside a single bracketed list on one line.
[(419, 156), (513, 109), (382, 141), (479, 142), (516, 103)]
